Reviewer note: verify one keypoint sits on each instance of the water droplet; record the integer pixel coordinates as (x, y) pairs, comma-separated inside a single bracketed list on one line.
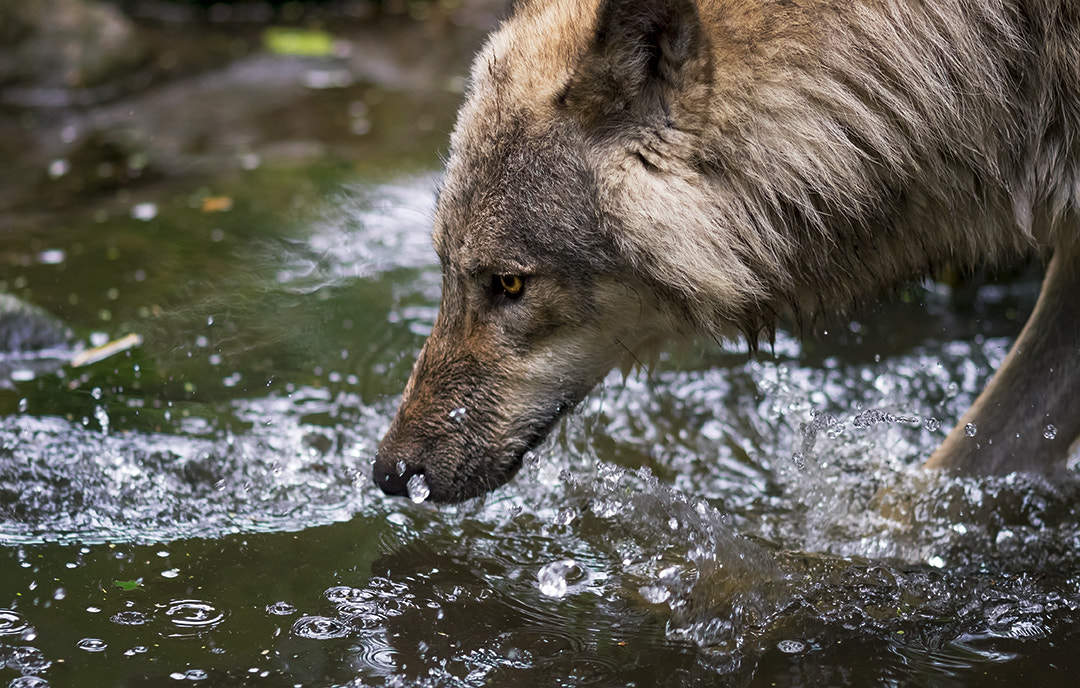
[(401, 467), (102, 417), (799, 459), (91, 645), (280, 609), (970, 429), (791, 647), (52, 256), (932, 424), (320, 627), (552, 578), (58, 168), (144, 211), (1050, 432), (418, 488), (458, 414)]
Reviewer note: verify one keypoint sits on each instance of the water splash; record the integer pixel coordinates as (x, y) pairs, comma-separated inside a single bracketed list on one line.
[(67, 482)]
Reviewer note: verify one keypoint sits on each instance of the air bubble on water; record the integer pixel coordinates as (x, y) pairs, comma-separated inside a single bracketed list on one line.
[(551, 578), (418, 488), (91, 645), (970, 429), (23, 404), (1050, 432), (791, 647), (129, 618), (28, 682), (458, 414), (27, 660)]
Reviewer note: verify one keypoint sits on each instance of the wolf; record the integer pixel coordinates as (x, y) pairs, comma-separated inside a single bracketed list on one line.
[(628, 172)]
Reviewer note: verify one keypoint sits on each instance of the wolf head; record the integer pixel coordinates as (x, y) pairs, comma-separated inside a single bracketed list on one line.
[(565, 227)]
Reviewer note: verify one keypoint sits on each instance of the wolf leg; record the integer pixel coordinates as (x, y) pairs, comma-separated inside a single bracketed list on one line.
[(1037, 386)]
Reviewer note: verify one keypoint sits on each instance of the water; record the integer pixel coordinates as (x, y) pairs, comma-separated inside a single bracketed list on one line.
[(199, 508)]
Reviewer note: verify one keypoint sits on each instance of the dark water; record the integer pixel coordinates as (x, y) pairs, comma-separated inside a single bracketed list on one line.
[(198, 508)]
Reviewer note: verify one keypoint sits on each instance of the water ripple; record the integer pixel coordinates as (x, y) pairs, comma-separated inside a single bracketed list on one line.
[(320, 627), (189, 617), (12, 622)]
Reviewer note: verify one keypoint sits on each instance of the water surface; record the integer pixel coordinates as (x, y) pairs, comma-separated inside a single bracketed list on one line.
[(199, 508)]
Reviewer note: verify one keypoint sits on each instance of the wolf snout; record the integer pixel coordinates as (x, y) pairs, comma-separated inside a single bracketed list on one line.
[(393, 475)]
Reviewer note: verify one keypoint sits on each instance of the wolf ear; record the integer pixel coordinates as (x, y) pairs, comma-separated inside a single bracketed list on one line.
[(643, 54)]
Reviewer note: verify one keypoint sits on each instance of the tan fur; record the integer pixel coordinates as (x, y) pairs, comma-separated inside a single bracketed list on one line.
[(661, 168)]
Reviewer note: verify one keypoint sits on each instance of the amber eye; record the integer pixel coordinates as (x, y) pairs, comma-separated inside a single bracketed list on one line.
[(510, 285)]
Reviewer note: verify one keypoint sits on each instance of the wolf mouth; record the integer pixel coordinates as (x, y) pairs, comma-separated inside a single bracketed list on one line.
[(469, 485)]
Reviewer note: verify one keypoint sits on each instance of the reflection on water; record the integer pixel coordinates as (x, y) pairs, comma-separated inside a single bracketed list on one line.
[(199, 508)]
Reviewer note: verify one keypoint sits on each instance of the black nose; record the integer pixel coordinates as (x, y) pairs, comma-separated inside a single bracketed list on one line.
[(393, 476)]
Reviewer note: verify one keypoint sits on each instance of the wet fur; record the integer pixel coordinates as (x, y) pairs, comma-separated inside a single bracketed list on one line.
[(669, 168)]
